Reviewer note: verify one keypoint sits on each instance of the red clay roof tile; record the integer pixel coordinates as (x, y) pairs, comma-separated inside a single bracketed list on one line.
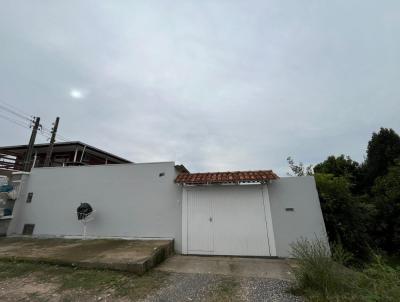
[(225, 177)]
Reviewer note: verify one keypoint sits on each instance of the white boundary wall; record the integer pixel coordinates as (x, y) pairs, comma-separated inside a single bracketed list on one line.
[(296, 212), (134, 201), (130, 200)]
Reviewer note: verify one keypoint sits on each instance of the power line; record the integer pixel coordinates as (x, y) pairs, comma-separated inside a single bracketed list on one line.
[(14, 121), (4, 108), (59, 136), (22, 115), (21, 124), (17, 110)]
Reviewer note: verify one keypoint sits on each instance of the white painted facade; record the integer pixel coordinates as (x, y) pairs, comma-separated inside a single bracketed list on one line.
[(296, 212), (130, 200), (142, 201)]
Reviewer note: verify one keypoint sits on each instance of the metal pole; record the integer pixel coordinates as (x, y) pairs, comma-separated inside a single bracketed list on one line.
[(34, 160), (84, 229), (52, 140), (83, 152), (27, 162), (76, 153)]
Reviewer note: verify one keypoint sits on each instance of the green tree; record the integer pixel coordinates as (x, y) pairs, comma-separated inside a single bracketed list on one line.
[(383, 149), (342, 166), (338, 166), (347, 218), (386, 193)]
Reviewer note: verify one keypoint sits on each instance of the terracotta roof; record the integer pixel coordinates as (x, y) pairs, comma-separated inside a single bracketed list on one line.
[(225, 177)]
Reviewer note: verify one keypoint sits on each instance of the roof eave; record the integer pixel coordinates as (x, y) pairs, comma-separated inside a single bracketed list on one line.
[(71, 143)]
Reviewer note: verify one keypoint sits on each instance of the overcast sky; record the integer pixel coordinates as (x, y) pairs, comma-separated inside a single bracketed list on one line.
[(214, 85)]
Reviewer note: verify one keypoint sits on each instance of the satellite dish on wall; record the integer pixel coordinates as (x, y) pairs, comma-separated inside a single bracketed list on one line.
[(85, 214)]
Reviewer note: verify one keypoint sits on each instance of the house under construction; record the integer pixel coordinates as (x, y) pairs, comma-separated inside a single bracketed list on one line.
[(73, 153)]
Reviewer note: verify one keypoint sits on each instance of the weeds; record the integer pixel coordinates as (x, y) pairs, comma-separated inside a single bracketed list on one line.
[(379, 282), (340, 255), (322, 277), (316, 271)]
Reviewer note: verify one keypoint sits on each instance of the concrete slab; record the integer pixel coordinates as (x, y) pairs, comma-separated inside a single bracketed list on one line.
[(231, 266), (136, 256)]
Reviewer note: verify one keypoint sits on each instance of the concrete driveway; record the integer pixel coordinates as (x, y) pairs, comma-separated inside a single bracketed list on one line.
[(229, 266)]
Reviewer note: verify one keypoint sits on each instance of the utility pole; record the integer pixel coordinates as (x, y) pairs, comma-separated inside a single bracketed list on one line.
[(52, 141), (27, 163)]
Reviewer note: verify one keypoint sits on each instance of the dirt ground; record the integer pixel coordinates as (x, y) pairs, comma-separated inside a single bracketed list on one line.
[(22, 281)]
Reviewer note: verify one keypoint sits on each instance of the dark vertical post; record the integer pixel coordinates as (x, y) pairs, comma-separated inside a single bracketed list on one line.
[(27, 163), (52, 141)]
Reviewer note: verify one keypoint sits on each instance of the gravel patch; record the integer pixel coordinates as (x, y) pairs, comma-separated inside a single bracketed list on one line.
[(258, 289), (209, 287), (185, 287)]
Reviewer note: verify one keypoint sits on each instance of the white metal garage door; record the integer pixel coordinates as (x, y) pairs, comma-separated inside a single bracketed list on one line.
[(228, 220)]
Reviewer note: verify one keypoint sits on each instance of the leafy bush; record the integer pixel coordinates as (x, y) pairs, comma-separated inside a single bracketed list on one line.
[(320, 278), (379, 282), (340, 255)]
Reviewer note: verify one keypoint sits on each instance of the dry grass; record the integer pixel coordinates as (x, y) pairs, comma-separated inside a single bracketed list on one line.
[(72, 284)]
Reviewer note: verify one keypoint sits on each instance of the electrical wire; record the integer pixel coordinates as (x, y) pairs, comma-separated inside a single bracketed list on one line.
[(22, 115), (14, 121), (13, 110), (19, 123), (22, 125), (58, 136), (14, 107)]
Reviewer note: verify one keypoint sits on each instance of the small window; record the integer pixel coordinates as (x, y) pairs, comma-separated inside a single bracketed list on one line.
[(29, 198), (161, 174), (289, 209), (28, 229)]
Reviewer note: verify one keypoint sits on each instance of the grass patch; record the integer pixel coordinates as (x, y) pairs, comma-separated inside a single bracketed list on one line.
[(71, 280), (320, 278), (121, 284), (13, 269), (89, 279), (225, 290)]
